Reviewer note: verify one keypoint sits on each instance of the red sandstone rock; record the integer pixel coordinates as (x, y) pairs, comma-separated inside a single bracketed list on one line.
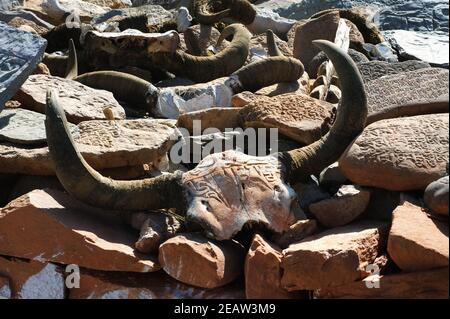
[(263, 271), (197, 261), (432, 284), (416, 241), (334, 257), (50, 226)]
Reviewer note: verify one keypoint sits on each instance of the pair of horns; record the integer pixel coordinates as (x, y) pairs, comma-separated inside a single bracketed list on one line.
[(167, 191)]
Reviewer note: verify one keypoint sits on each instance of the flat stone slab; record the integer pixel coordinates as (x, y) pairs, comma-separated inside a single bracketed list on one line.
[(399, 154), (299, 117), (412, 93), (200, 262), (80, 102), (157, 285), (373, 70), (431, 284), (104, 144), (416, 241), (334, 257), (50, 226), (20, 53), (24, 127)]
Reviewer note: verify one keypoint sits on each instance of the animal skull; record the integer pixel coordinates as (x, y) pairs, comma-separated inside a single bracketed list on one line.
[(230, 189)]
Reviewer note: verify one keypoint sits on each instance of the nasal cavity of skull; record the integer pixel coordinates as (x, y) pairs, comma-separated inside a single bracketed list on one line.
[(206, 205)]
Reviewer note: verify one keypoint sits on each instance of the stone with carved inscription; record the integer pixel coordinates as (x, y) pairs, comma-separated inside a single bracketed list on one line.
[(104, 145), (22, 126), (423, 91), (399, 154), (20, 52), (229, 190), (220, 118), (200, 262), (80, 102), (376, 69), (299, 117)]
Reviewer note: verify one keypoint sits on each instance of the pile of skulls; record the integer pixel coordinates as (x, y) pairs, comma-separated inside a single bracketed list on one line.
[(97, 98)]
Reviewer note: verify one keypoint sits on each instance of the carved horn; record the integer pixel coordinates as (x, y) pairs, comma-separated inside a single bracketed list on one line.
[(205, 69), (87, 185), (300, 164)]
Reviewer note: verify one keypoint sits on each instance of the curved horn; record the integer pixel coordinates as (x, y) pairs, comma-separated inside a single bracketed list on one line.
[(266, 72), (205, 69), (72, 63), (87, 185), (239, 10), (144, 94), (301, 163), (272, 47)]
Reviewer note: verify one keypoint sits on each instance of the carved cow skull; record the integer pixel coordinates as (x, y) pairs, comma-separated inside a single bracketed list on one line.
[(226, 190)]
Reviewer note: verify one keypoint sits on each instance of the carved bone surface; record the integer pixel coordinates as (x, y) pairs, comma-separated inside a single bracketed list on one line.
[(230, 189)]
